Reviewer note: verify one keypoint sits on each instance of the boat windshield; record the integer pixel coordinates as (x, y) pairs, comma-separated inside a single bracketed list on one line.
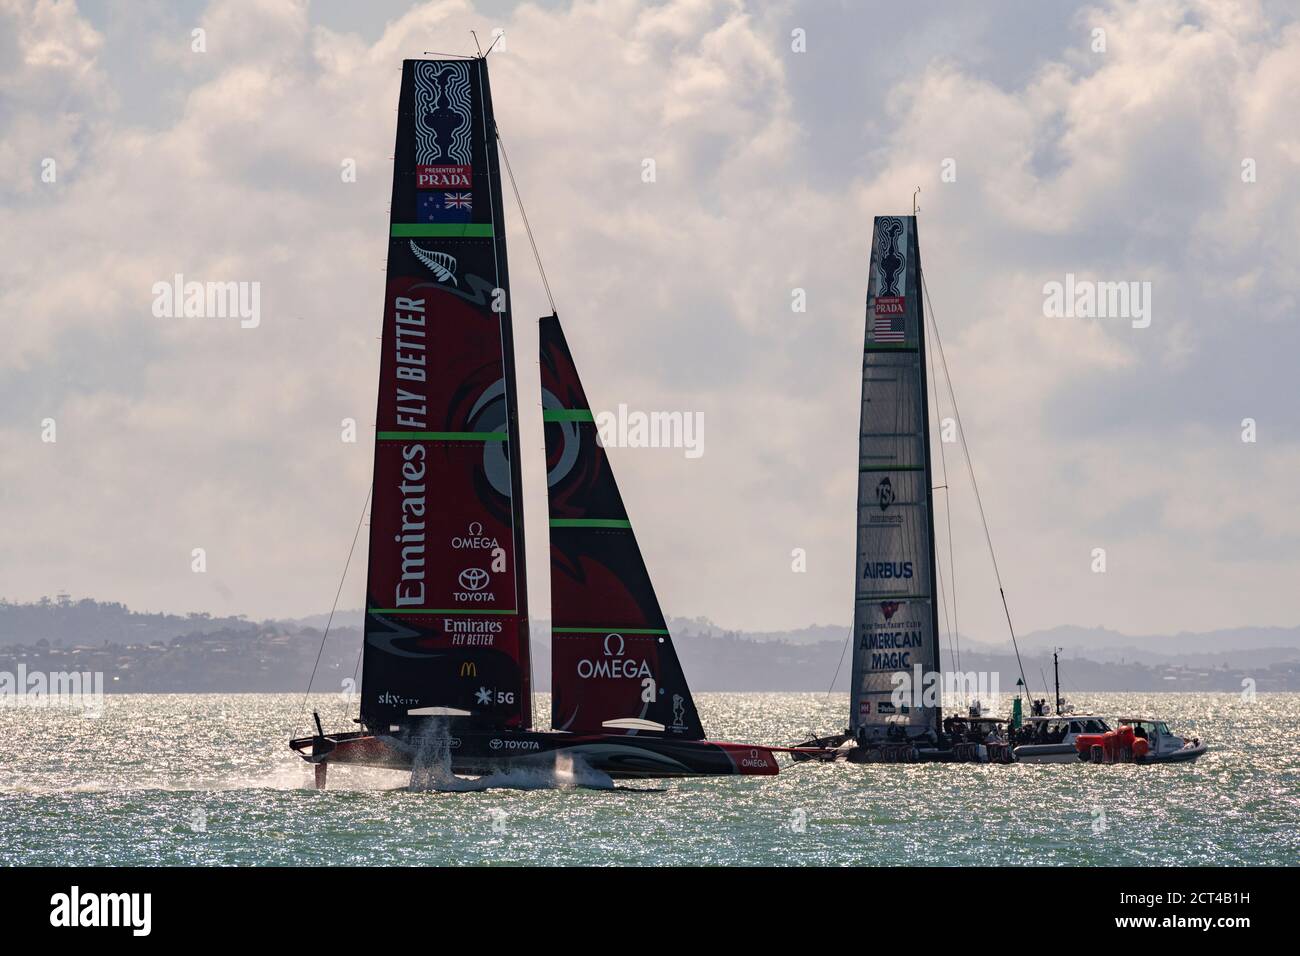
[(1143, 728)]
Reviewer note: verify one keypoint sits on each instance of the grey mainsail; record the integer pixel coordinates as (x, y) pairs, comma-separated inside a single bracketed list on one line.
[(895, 627)]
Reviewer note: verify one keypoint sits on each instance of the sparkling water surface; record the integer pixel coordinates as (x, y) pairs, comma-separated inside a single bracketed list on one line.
[(207, 779)]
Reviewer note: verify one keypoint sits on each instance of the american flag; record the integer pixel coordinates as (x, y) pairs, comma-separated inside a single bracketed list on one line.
[(459, 200), (888, 328)]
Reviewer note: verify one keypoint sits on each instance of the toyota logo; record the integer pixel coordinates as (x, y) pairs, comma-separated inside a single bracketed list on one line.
[(495, 743), (473, 579)]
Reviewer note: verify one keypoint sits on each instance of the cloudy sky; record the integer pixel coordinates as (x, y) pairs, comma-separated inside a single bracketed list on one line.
[(1128, 163)]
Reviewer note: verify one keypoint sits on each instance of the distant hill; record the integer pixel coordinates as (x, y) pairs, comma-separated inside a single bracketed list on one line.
[(153, 652), (812, 634), (64, 622), (1102, 643), (351, 617)]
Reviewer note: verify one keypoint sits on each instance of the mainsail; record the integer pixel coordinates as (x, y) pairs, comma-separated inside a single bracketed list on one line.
[(447, 614), (612, 657), (895, 627)]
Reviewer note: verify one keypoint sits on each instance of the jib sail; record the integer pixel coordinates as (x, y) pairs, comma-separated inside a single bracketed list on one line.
[(895, 630), (613, 667), (447, 613)]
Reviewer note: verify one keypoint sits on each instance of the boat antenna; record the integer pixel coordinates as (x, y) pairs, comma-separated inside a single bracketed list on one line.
[(476, 44), (537, 256), (495, 39), (970, 468), (915, 207)]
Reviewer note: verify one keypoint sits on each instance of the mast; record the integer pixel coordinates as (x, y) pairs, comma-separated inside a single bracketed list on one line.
[(1056, 672), (895, 614), (446, 604)]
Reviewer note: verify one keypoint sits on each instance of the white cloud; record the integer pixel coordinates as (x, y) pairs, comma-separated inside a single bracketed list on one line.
[(183, 433)]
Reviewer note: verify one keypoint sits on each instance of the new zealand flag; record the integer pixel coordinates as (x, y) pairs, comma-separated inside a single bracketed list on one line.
[(444, 206)]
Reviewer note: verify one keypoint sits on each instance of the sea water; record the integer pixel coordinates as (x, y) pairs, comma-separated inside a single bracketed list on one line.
[(208, 779)]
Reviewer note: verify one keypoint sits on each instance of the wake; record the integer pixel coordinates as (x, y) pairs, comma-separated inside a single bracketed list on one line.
[(431, 770)]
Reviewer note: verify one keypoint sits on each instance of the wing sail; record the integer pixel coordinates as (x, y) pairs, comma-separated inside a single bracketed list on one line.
[(447, 610), (894, 624), (613, 666)]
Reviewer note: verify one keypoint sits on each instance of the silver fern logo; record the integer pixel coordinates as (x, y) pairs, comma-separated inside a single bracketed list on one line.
[(440, 264)]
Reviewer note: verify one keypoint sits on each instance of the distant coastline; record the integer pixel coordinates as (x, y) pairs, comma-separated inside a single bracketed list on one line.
[(165, 653)]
